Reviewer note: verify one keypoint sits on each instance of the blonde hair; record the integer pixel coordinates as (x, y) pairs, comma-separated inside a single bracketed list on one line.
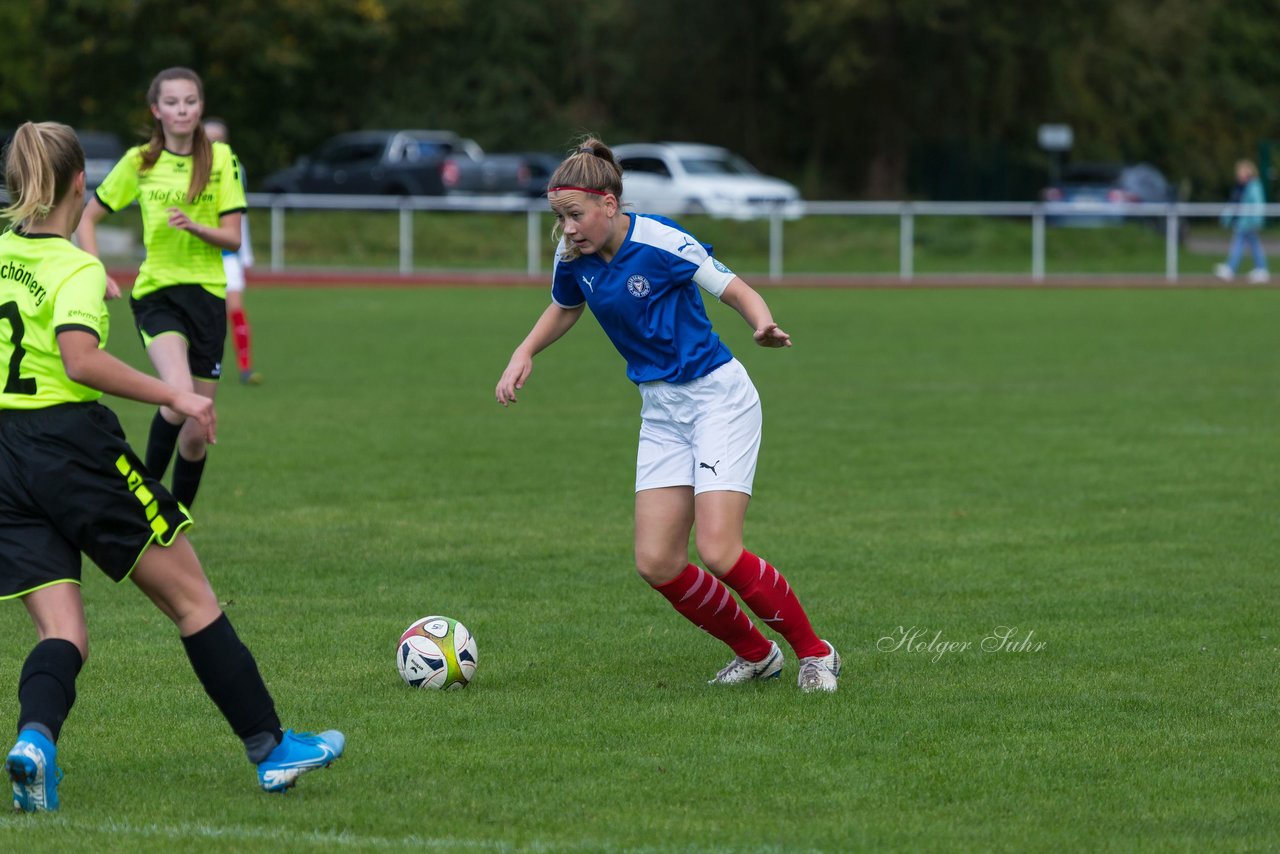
[(1248, 167), (590, 166), (201, 148), (40, 164)]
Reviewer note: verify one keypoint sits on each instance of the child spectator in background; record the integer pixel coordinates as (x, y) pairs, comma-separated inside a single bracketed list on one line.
[(1245, 222)]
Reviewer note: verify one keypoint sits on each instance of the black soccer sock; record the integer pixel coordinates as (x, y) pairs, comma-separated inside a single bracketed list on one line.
[(47, 686), (186, 478), (230, 677), (160, 443)]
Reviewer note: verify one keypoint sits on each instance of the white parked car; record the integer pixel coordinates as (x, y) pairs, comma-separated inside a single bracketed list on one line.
[(674, 178)]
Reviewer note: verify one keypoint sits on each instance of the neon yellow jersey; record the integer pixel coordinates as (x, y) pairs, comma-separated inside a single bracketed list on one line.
[(176, 257), (47, 286)]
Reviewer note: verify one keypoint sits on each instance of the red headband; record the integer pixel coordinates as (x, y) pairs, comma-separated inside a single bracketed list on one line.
[(580, 190)]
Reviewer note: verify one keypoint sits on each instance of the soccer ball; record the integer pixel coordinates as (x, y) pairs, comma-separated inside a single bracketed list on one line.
[(436, 652)]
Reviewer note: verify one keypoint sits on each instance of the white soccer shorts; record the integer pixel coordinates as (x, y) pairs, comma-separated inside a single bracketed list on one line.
[(704, 433), (235, 272)]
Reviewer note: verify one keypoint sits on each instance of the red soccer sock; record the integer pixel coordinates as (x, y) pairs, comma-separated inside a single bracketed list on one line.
[(704, 601), (769, 595), (240, 335)]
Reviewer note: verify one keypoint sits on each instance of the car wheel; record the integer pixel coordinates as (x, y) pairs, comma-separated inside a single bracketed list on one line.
[(695, 206)]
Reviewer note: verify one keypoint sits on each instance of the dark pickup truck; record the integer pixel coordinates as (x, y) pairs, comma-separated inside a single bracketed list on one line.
[(397, 162)]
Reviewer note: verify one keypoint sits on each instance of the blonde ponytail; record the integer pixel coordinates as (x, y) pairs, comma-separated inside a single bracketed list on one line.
[(41, 162)]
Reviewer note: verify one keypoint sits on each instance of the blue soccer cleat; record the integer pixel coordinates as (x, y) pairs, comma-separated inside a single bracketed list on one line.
[(296, 754), (33, 769)]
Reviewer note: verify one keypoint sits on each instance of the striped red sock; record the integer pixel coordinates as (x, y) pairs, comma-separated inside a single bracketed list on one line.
[(704, 601), (768, 594), (240, 337)]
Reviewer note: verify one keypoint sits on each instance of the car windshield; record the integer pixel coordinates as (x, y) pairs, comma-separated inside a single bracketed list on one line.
[(433, 148), (717, 164), (1091, 174)]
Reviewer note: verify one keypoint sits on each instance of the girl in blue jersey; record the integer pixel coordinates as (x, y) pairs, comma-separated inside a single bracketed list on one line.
[(700, 414), (70, 484)]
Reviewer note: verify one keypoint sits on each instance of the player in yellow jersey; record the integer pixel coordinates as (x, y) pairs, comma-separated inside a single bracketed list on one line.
[(70, 484), (191, 199)]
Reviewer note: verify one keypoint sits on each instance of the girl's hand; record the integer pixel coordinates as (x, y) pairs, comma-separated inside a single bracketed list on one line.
[(771, 336), (179, 220), (518, 370), (199, 407), (113, 289)]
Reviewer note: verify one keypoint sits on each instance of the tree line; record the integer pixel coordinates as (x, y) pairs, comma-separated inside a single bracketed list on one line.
[(848, 98)]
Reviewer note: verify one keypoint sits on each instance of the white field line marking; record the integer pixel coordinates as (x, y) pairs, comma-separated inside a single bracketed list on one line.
[(234, 833), (338, 839)]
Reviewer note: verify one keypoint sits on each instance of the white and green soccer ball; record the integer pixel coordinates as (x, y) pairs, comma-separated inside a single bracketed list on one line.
[(436, 652)]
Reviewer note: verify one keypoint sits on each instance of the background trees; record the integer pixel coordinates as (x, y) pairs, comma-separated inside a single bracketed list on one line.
[(850, 98)]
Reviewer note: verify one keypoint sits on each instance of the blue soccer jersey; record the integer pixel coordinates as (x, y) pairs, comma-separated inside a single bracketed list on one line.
[(646, 300)]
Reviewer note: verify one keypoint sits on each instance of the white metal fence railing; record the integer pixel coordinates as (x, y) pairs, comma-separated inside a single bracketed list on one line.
[(1038, 213)]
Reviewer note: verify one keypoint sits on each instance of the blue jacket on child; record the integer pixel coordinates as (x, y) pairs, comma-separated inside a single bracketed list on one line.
[(1247, 216)]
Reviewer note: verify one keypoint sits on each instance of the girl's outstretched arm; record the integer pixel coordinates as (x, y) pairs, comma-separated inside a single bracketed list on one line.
[(743, 299), (553, 323)]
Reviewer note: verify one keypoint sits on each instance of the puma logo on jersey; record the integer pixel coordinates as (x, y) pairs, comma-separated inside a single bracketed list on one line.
[(712, 467), (589, 282), (687, 243)]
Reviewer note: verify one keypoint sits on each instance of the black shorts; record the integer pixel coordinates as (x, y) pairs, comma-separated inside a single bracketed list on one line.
[(192, 312), (69, 483)]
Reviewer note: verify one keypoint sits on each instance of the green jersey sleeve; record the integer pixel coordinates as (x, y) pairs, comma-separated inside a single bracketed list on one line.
[(118, 190), (78, 302), (230, 192)]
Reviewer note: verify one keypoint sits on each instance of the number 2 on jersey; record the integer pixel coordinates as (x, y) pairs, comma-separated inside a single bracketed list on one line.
[(16, 383)]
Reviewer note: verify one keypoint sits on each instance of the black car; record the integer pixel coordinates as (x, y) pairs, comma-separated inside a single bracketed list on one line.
[(5, 135), (523, 173), (102, 150), (539, 165), (1094, 185), (399, 162)]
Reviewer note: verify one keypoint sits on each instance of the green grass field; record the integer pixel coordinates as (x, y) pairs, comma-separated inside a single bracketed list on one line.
[(1095, 469)]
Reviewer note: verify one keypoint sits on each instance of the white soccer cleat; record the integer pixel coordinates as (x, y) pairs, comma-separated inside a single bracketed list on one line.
[(820, 672), (1259, 276), (740, 670), (1222, 271)]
